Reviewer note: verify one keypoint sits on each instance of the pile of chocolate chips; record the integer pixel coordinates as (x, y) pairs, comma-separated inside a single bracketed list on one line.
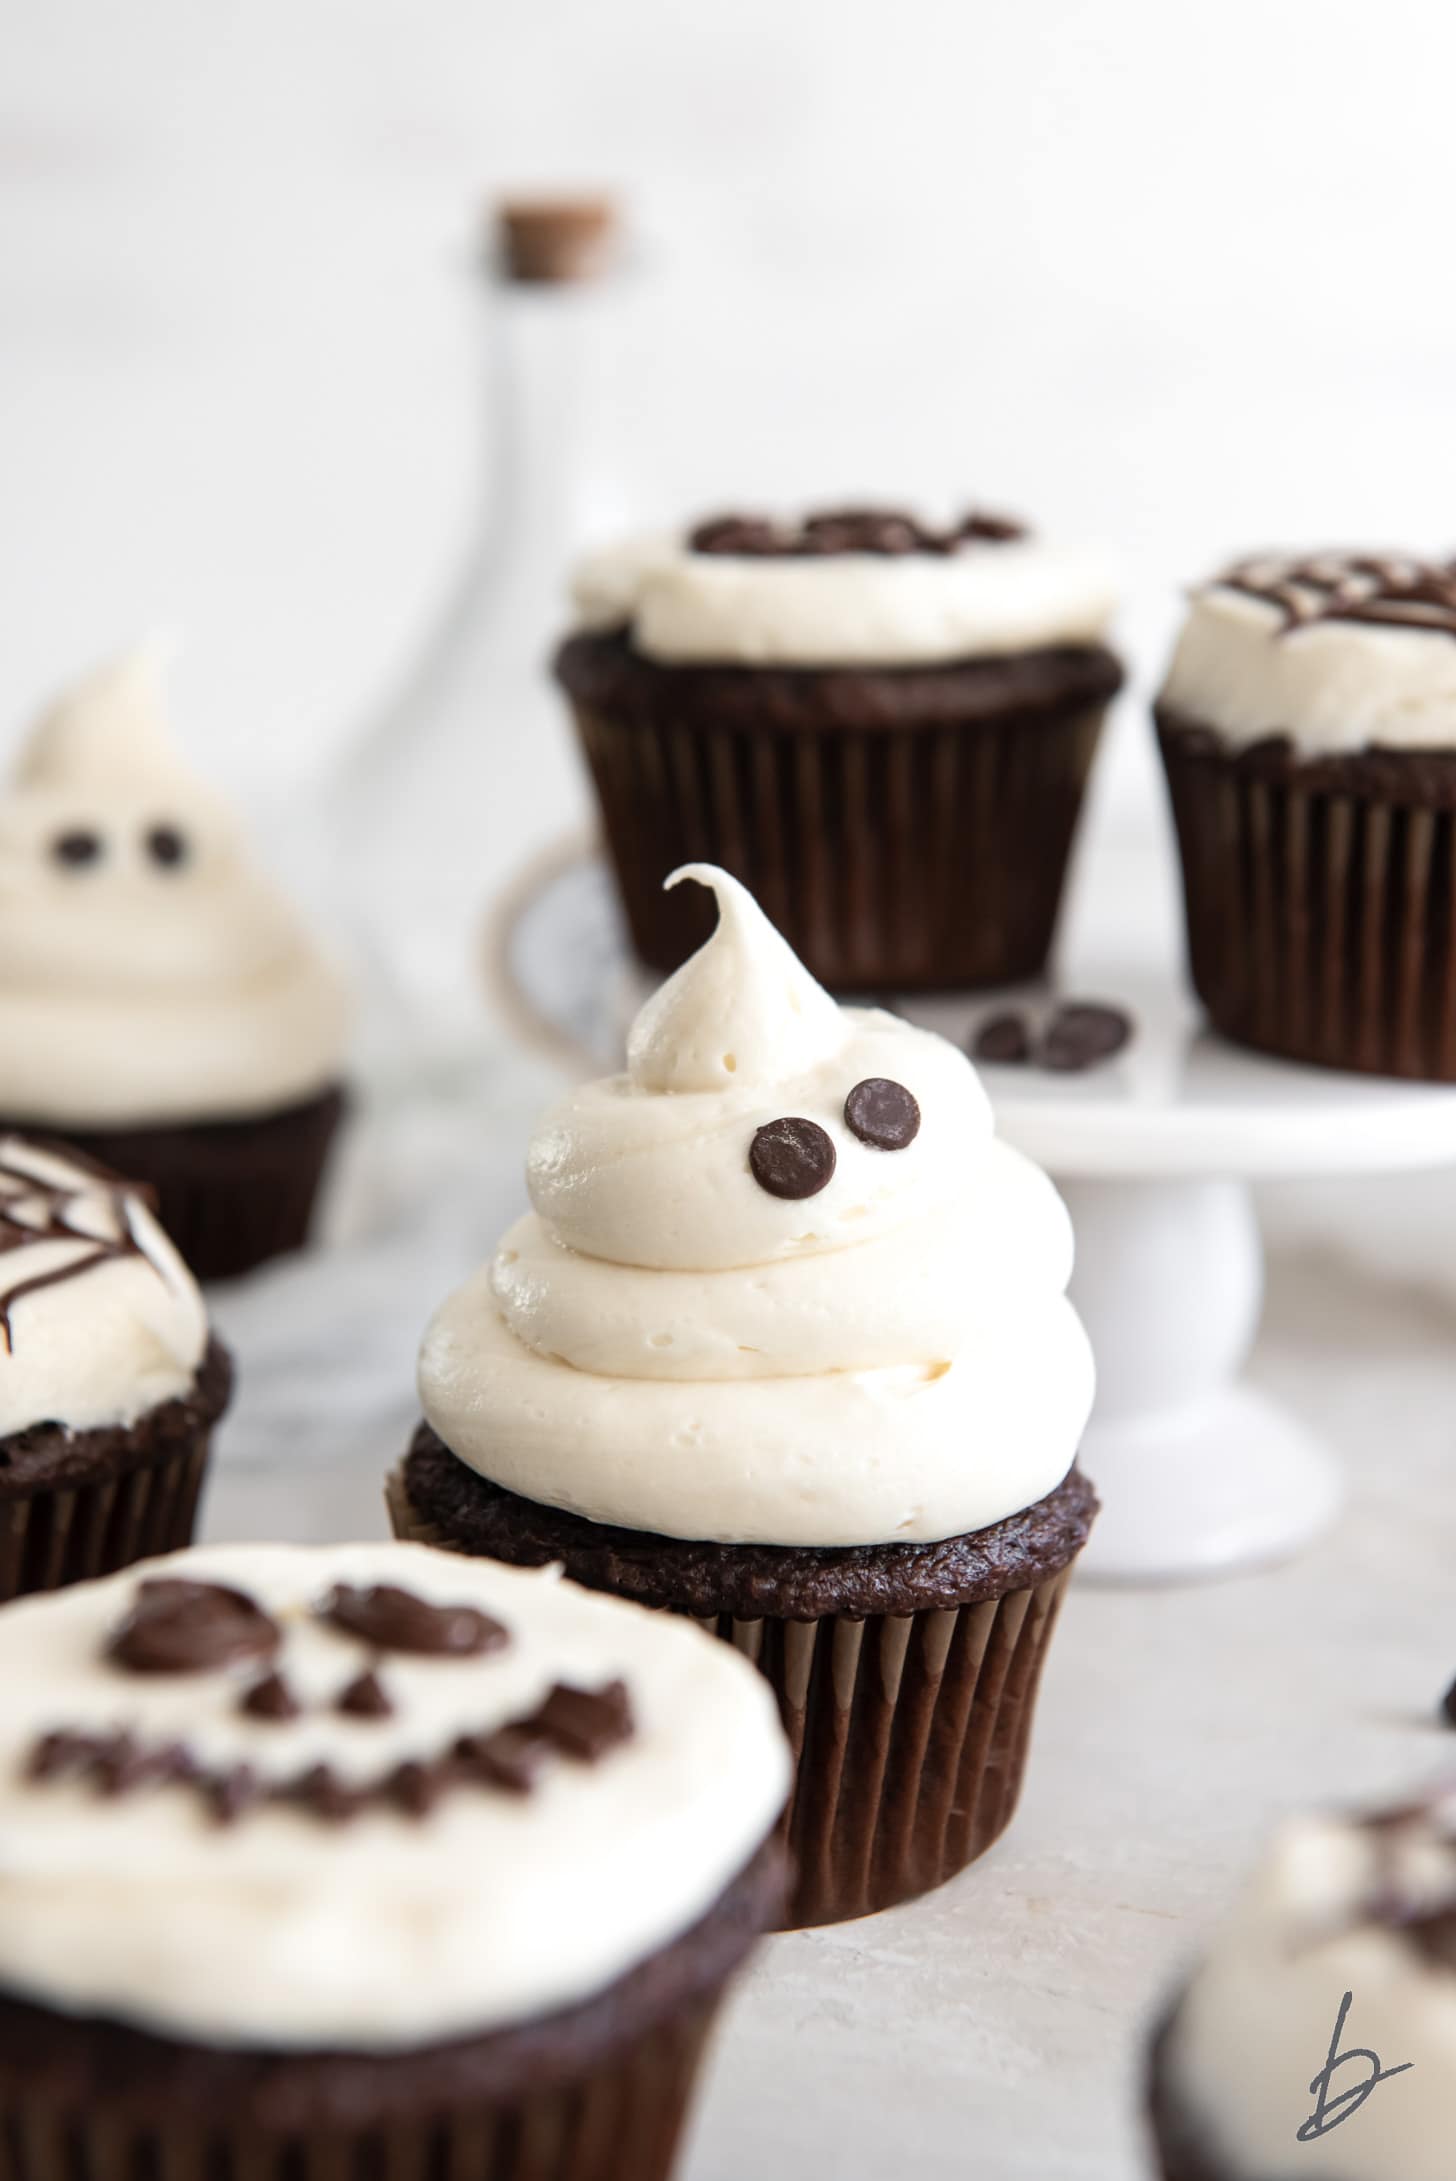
[(1079, 1034), (888, 531)]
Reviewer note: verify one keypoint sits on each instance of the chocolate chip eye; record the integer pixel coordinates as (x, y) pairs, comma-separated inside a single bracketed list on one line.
[(77, 848), (791, 1158), (166, 846), (882, 1113), (176, 1626)]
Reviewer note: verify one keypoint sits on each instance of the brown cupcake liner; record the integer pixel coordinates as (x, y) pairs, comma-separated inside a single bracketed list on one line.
[(1320, 901), (231, 1194), (59, 1534), (892, 859), (624, 2118), (909, 1734)]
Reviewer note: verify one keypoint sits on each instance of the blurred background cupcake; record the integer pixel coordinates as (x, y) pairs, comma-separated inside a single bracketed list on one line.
[(1317, 2034), (882, 726), (110, 1383), (317, 1856), (161, 1007), (1308, 730), (784, 1347)]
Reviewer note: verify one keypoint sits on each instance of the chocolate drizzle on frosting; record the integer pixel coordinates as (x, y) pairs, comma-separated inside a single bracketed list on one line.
[(582, 1725), (35, 1211), (181, 1627), (392, 1619), (1387, 590), (884, 531)]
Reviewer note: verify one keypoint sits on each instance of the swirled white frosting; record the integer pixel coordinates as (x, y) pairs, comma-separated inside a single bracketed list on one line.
[(1331, 686), (661, 1343), (1255, 2024), (389, 1931), (98, 1323), (846, 609), (135, 990)]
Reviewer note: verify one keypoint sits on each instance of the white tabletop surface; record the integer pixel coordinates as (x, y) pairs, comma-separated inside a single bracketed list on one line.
[(993, 2029)]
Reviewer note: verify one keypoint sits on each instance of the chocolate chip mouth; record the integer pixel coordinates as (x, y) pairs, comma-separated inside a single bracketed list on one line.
[(887, 532)]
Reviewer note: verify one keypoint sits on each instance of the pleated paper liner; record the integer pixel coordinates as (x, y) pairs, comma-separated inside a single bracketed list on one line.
[(621, 2120), (905, 858), (231, 1194), (909, 1734), (1321, 901), (57, 1535)]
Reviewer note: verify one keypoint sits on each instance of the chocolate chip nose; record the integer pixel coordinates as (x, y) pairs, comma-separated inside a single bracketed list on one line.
[(792, 1158), (177, 1627)]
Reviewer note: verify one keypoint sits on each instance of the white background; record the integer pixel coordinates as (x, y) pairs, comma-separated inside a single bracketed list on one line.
[(1174, 275)]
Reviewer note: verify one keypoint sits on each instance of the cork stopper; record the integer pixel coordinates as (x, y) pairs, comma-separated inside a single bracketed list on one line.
[(554, 238)]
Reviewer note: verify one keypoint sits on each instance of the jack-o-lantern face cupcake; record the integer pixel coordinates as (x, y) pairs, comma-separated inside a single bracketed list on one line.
[(307, 1849), (784, 1345), (161, 1006), (110, 1383)]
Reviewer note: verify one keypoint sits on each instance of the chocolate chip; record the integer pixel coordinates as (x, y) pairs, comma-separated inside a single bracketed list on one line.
[(749, 535), (391, 1619), (416, 1787), (166, 846), (883, 1113), (1082, 1034), (327, 1796), (180, 1627), (885, 531), (270, 1698), (1005, 1039), (586, 1723), (1448, 1706), (986, 529), (365, 1698), (77, 848), (792, 1158), (510, 1758)]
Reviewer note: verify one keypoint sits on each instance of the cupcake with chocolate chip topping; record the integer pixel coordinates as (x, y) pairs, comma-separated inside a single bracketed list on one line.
[(882, 728), (110, 1383), (249, 1923), (784, 1346), (1308, 730), (161, 1007), (1330, 1988)]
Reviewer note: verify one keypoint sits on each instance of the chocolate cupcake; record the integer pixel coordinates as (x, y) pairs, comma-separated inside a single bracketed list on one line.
[(883, 729), (109, 1382), (784, 1347), (160, 1006), (313, 1858), (1308, 729), (1318, 2033)]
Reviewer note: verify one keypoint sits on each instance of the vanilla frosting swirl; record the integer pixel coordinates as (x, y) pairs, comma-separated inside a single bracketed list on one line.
[(395, 1929), (100, 1320), (148, 973), (1339, 652), (664, 1344), (983, 600), (1359, 1906)]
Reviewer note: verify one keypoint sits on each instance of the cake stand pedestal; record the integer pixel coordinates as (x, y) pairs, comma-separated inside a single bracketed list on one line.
[(1155, 1152)]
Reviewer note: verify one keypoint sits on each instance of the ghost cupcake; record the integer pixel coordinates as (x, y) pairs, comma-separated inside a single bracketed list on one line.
[(316, 1858), (784, 1346), (1317, 2035), (160, 1006), (110, 1383)]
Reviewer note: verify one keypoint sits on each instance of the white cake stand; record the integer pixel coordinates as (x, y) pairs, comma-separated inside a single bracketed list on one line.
[(1200, 1473)]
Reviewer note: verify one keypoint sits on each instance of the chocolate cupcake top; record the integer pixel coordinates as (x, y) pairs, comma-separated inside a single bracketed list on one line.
[(148, 973), (1364, 1907), (363, 1797), (1337, 651), (100, 1320), (781, 1285), (848, 587)]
